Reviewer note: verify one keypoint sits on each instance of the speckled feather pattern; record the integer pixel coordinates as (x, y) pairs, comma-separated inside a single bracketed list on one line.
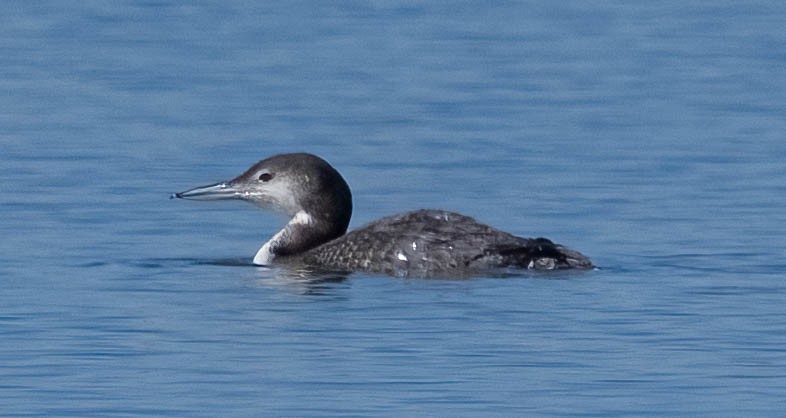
[(431, 242)]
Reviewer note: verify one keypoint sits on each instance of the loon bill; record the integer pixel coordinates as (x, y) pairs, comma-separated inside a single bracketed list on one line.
[(423, 243)]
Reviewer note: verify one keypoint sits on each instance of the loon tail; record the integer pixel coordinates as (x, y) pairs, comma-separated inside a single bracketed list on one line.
[(543, 254), (574, 259)]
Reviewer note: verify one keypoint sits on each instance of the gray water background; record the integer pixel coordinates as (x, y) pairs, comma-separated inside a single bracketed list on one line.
[(648, 135)]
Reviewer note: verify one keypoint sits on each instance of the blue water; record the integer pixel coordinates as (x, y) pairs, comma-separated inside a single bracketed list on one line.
[(648, 135)]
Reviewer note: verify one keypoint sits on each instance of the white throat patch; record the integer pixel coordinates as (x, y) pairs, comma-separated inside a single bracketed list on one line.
[(264, 256)]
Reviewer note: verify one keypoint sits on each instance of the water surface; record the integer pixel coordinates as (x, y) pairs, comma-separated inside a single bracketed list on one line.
[(648, 136)]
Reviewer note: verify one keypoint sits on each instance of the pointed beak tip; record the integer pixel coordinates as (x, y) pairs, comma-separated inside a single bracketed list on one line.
[(218, 191)]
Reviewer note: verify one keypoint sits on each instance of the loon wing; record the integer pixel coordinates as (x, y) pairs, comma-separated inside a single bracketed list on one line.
[(437, 243)]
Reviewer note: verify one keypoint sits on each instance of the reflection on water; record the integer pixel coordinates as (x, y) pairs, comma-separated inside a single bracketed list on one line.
[(304, 283)]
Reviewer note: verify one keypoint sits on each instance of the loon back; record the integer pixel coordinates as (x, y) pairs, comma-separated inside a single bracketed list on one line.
[(427, 243)]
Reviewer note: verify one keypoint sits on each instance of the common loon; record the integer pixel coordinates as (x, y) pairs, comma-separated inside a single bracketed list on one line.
[(425, 243)]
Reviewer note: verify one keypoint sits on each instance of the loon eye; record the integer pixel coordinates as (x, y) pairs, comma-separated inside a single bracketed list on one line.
[(265, 176)]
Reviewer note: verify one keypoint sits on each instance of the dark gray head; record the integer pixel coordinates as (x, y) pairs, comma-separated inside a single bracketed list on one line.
[(294, 184)]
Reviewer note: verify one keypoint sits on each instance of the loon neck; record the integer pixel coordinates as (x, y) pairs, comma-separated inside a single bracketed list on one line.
[(302, 233)]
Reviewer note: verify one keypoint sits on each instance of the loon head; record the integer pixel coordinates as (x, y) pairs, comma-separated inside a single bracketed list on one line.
[(301, 185)]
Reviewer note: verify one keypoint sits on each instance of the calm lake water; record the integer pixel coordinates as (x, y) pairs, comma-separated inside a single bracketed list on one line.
[(649, 135)]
